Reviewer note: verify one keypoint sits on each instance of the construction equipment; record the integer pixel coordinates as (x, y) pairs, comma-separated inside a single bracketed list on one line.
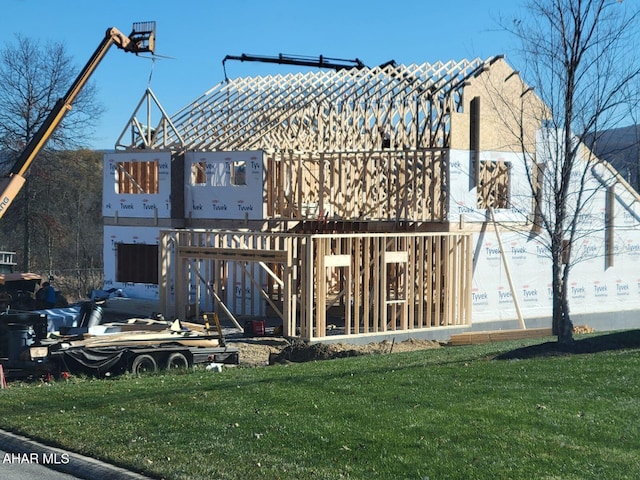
[(141, 40), (336, 64)]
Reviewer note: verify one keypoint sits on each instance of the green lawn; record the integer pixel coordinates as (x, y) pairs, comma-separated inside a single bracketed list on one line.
[(447, 413)]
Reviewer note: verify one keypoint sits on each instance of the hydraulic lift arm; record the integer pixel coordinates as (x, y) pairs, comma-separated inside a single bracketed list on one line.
[(141, 40), (336, 64)]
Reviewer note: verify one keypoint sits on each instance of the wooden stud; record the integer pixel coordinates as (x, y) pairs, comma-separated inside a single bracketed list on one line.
[(388, 278)]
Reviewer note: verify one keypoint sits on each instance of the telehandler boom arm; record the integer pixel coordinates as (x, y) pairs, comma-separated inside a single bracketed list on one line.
[(141, 40)]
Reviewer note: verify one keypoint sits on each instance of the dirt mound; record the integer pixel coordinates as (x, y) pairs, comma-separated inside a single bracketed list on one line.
[(258, 352), (301, 352), (410, 345)]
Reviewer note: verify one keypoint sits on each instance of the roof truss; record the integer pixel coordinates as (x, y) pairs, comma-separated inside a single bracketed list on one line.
[(389, 106)]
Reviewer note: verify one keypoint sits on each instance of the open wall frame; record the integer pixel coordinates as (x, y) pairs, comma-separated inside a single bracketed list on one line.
[(320, 285)]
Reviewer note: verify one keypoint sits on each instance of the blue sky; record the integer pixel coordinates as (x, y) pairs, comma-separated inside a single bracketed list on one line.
[(199, 33)]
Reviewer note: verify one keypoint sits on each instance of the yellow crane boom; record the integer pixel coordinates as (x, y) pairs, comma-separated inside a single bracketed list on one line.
[(141, 40)]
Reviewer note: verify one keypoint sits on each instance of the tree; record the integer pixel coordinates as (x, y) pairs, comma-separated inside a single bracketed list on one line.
[(67, 216), (33, 77), (65, 188), (580, 56)]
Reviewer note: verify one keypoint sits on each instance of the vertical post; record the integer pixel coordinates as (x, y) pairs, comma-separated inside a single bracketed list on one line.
[(289, 300), (307, 327), (378, 280), (538, 169), (356, 252), (448, 281), (366, 284), (322, 190), (163, 274), (430, 269), (474, 137), (609, 225), (419, 296), (180, 276), (437, 282), (469, 279)]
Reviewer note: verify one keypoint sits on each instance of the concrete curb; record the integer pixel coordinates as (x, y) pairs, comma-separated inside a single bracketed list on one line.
[(63, 461)]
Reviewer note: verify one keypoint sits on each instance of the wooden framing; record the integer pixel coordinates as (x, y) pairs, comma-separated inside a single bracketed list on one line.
[(609, 223), (389, 106), (494, 184), (138, 177), (376, 185), (320, 285), (346, 153)]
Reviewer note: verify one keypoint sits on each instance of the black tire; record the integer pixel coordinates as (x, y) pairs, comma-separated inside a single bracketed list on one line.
[(143, 364), (177, 361)]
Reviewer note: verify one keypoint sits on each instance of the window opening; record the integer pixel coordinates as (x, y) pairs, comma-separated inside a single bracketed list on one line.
[(199, 173), (239, 173), (137, 263), (494, 184), (137, 177)]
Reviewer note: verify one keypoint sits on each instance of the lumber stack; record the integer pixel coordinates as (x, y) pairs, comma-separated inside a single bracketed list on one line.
[(473, 338)]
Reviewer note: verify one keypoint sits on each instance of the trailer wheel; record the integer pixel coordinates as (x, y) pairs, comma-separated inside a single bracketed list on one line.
[(143, 364), (177, 361)]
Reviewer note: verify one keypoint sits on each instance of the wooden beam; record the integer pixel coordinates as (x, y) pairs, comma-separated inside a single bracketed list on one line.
[(233, 254), (473, 338), (514, 295)]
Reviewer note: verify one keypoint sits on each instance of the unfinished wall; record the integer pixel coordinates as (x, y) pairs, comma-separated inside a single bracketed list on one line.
[(464, 203), (324, 285), (605, 258), (225, 185), (142, 236), (510, 112), (373, 185), (594, 286), (137, 185)]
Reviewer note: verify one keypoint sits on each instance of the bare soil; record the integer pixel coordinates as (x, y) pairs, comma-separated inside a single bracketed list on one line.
[(270, 351)]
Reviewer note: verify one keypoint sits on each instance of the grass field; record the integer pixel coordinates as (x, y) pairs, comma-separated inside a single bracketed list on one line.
[(445, 413)]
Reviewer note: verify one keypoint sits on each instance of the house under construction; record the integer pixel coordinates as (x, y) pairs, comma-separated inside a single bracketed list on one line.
[(354, 203)]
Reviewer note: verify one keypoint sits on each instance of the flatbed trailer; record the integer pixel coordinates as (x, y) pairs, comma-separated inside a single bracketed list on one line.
[(26, 350), (115, 360)]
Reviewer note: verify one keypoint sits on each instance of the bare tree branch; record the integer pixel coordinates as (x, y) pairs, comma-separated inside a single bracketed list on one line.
[(33, 77), (579, 56)]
